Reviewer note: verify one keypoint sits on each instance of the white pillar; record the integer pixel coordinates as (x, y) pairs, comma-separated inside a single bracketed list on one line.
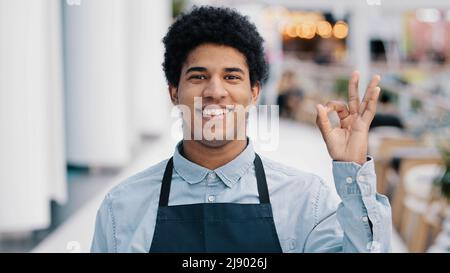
[(32, 165), (97, 91), (148, 23), (57, 158), (359, 43)]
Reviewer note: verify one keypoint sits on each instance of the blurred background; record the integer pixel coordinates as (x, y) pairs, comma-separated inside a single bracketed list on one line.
[(84, 104)]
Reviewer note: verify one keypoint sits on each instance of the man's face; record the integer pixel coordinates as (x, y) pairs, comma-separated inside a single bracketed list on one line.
[(215, 87)]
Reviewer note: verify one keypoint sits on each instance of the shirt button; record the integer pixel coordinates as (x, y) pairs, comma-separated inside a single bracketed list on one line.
[(349, 180), (361, 178), (365, 219), (211, 198), (211, 176)]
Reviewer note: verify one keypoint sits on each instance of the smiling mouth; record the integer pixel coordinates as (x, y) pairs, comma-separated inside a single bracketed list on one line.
[(209, 113)]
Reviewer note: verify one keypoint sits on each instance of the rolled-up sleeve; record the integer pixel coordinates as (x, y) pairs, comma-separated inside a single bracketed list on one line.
[(104, 235), (361, 222)]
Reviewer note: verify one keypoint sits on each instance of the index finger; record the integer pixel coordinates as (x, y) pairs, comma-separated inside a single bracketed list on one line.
[(340, 107)]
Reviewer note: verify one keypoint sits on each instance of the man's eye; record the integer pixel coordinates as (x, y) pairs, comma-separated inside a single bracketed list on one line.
[(198, 77), (232, 77)]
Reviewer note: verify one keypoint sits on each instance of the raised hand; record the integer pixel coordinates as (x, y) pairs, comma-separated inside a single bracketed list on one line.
[(349, 141)]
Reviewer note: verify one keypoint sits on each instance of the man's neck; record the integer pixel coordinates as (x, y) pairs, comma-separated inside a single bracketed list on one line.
[(212, 157)]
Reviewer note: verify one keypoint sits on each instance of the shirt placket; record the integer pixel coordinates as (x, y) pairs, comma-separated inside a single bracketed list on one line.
[(213, 187)]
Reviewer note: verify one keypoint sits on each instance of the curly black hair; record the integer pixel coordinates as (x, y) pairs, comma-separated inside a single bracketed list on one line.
[(221, 26)]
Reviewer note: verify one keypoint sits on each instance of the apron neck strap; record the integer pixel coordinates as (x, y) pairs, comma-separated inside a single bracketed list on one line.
[(165, 186), (260, 180)]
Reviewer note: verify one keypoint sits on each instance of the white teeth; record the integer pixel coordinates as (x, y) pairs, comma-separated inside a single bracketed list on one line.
[(216, 112)]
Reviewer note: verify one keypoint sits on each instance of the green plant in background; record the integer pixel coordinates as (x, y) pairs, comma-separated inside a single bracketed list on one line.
[(443, 183), (178, 7), (341, 88)]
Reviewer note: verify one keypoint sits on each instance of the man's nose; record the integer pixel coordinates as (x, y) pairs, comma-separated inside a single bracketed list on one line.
[(215, 89)]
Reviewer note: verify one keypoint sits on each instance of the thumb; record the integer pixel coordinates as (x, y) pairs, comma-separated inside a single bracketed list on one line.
[(322, 120)]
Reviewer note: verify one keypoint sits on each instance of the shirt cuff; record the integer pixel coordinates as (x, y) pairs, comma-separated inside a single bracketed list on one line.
[(352, 179)]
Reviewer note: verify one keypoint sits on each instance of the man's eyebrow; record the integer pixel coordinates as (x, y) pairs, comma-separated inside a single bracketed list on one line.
[(234, 69), (196, 68)]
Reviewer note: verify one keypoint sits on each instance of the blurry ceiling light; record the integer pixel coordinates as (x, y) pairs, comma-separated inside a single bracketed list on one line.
[(340, 30), (324, 29), (291, 31), (302, 24), (298, 31), (306, 30), (428, 15)]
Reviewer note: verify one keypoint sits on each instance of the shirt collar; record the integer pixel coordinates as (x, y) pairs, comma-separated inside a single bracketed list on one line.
[(229, 173)]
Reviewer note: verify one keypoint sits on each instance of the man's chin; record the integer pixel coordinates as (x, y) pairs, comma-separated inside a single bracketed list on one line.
[(214, 143)]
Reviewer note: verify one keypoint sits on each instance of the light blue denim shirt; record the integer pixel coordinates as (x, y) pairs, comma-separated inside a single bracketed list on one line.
[(307, 217)]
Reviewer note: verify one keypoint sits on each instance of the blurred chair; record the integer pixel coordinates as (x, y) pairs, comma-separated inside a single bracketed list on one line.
[(417, 206), (421, 223), (442, 242), (384, 153), (415, 179)]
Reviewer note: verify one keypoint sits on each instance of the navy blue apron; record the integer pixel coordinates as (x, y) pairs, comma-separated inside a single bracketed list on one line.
[(215, 227)]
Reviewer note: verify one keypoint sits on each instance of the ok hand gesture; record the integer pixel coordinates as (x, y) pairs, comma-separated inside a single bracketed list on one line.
[(349, 141)]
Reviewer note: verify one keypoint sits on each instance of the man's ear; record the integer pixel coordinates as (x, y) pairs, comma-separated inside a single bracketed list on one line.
[(173, 92), (256, 89)]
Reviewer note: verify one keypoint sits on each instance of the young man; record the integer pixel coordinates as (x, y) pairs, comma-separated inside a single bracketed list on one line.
[(215, 194)]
